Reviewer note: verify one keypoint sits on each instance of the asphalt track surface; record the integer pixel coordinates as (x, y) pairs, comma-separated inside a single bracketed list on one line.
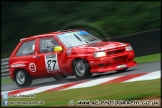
[(146, 67)]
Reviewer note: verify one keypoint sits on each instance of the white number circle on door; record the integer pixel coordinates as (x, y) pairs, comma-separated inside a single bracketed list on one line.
[(32, 67)]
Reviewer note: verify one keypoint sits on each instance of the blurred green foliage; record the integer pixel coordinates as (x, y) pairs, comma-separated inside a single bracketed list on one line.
[(23, 19)]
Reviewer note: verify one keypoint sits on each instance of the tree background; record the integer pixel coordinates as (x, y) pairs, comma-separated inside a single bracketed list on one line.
[(27, 18)]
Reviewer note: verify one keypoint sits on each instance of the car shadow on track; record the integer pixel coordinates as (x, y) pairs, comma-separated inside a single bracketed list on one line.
[(112, 73), (74, 79)]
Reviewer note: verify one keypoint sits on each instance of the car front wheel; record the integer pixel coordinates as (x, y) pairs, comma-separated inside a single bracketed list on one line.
[(22, 78), (81, 69)]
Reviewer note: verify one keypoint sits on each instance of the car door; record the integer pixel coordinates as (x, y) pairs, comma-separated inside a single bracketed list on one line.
[(47, 60)]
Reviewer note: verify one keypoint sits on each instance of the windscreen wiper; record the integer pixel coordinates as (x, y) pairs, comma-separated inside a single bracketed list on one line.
[(79, 38)]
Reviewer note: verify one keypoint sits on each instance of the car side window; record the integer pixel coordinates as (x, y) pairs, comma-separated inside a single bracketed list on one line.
[(47, 45), (27, 48)]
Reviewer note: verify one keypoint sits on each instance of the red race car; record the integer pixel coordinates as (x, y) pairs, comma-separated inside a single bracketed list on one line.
[(66, 53)]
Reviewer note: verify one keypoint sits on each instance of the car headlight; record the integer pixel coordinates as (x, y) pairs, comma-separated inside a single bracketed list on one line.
[(99, 54), (129, 48)]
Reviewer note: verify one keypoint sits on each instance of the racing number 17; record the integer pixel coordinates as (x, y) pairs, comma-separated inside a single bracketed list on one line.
[(49, 64)]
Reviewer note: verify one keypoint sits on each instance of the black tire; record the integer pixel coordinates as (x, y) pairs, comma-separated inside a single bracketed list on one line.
[(59, 76), (122, 70), (19, 74), (83, 71)]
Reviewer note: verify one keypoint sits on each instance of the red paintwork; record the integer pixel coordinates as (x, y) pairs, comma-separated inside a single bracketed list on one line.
[(65, 62)]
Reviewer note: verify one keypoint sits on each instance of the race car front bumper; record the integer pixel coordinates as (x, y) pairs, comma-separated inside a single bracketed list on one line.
[(116, 62)]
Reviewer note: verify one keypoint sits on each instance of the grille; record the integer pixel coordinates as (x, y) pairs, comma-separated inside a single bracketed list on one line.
[(121, 58), (116, 52)]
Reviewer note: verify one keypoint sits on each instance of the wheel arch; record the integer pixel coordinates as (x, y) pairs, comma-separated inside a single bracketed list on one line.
[(75, 59), (19, 69)]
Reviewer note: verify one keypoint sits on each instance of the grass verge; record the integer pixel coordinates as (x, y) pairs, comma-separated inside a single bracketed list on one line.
[(139, 60), (148, 58), (118, 91), (6, 80)]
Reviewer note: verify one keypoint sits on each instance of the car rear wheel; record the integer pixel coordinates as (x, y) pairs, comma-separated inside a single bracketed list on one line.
[(22, 78), (81, 69), (59, 76), (122, 70)]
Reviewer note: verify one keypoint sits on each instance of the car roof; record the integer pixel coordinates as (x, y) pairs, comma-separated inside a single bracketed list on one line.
[(48, 34)]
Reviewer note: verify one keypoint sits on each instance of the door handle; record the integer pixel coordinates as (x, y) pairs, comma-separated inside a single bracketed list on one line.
[(38, 56)]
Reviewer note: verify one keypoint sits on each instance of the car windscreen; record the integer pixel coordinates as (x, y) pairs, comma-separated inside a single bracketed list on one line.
[(71, 39)]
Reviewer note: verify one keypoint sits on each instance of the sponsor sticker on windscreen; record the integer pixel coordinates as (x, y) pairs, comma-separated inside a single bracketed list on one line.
[(64, 35)]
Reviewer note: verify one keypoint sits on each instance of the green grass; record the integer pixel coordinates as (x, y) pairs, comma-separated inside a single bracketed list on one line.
[(6, 81), (139, 60), (118, 91), (148, 58)]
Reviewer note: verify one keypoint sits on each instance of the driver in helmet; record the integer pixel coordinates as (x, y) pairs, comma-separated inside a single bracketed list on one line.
[(51, 44)]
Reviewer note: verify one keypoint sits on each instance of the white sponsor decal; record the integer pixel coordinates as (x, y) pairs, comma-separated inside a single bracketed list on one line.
[(18, 65), (32, 67), (68, 52), (121, 66), (51, 62)]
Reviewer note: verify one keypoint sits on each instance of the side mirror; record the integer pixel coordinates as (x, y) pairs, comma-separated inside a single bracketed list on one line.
[(58, 49)]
